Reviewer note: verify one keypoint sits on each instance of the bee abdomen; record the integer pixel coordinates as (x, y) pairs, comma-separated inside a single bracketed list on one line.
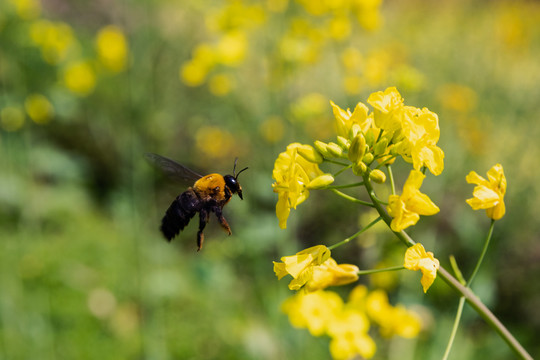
[(178, 215)]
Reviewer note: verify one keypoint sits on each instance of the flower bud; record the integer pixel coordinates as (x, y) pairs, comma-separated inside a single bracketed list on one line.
[(357, 148), (359, 168), (344, 143), (322, 148), (355, 129), (368, 158), (320, 181), (380, 147), (377, 176), (334, 149), (310, 154), (371, 135)]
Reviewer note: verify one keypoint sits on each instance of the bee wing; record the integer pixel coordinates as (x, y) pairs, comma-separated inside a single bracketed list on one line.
[(171, 168)]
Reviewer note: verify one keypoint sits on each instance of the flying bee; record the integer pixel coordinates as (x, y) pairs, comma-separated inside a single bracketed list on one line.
[(209, 194)]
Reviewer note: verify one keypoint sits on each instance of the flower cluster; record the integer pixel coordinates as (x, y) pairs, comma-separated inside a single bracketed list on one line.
[(313, 269), (347, 324), (296, 172)]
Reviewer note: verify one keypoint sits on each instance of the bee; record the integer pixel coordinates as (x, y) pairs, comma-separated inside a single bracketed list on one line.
[(209, 194)]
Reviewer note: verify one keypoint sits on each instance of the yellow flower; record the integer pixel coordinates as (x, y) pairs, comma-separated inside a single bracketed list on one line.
[(388, 109), (294, 174), (39, 108), (391, 320), (407, 208), (349, 333), (112, 48), (489, 194), (345, 119), (80, 78), (416, 258), (300, 266), (329, 273), (313, 311)]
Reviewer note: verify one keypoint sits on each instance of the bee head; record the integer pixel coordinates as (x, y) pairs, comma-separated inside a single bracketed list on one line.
[(232, 181)]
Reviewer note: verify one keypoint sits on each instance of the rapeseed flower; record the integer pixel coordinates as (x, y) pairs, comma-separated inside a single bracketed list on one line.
[(416, 258), (489, 194), (407, 207), (300, 266), (294, 176), (112, 48)]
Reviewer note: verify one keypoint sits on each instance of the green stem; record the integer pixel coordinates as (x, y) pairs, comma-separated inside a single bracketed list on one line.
[(462, 290), (454, 328), (336, 162), (373, 271), (356, 234), (342, 170), (350, 198), (391, 177), (344, 186), (484, 250)]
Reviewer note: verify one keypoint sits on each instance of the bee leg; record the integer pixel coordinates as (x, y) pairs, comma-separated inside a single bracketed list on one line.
[(224, 224), (203, 220)]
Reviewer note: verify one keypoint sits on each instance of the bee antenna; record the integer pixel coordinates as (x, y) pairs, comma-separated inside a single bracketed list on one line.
[(234, 169)]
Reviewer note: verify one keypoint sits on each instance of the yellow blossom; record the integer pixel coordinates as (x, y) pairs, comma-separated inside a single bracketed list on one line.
[(293, 175), (55, 40), (344, 120), (39, 108), (392, 320), (112, 48), (300, 266), (416, 258), (349, 333), (489, 194), (80, 78), (313, 311), (329, 273), (407, 207), (388, 109), (27, 9)]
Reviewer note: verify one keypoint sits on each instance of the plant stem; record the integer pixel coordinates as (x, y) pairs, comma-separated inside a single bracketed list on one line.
[(342, 170), (373, 271), (484, 250), (454, 328), (350, 198), (391, 177), (356, 234), (462, 290), (344, 186)]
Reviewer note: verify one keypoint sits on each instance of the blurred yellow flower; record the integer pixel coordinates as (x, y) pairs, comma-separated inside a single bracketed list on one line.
[(489, 194), (313, 311), (416, 258), (392, 320), (11, 118), (339, 27), (55, 40), (112, 48), (232, 48), (349, 333), (293, 175), (221, 84), (80, 78), (407, 208), (193, 73), (300, 266), (272, 129), (214, 142), (27, 9), (277, 6), (39, 108)]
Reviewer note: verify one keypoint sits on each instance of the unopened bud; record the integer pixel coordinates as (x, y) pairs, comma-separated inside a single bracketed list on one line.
[(322, 148), (380, 146), (357, 148), (320, 182), (359, 168), (355, 129), (310, 154), (371, 136), (377, 176), (344, 143), (368, 158), (334, 149)]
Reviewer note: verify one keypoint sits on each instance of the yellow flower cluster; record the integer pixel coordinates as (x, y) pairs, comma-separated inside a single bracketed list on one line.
[(296, 171), (347, 324), (313, 269)]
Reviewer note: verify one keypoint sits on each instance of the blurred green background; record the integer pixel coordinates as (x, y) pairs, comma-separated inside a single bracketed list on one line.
[(87, 87)]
